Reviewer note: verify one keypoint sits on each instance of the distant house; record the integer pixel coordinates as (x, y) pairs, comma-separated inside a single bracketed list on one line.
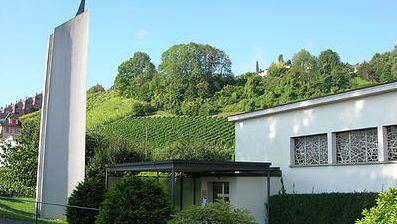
[(9, 128), (9, 125), (25, 106), (9, 116)]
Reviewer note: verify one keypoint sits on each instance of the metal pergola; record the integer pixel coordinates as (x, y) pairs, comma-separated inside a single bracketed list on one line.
[(199, 168)]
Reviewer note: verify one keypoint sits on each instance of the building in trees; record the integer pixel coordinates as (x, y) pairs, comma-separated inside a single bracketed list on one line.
[(9, 125)]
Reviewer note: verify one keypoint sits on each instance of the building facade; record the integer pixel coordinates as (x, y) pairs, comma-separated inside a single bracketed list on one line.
[(346, 142), (28, 105), (9, 125)]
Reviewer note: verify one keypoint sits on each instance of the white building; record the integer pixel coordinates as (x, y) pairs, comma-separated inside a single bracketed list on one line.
[(345, 142)]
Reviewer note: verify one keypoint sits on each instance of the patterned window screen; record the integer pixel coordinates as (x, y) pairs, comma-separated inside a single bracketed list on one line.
[(391, 142), (357, 146), (311, 150)]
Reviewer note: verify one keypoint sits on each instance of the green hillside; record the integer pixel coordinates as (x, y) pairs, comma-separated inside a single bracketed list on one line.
[(157, 132), (110, 115)]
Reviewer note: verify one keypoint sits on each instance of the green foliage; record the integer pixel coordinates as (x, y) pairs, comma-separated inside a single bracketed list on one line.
[(190, 71), (385, 211), (96, 89), (191, 107), (152, 133), (135, 200), (332, 208), (90, 194), (134, 76), (219, 212), (193, 151), (137, 109), (21, 159), (106, 106), (12, 188), (110, 149)]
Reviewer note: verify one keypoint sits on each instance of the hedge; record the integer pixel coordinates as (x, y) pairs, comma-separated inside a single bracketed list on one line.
[(323, 208)]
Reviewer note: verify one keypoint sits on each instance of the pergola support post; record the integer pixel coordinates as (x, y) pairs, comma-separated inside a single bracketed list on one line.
[(173, 185)]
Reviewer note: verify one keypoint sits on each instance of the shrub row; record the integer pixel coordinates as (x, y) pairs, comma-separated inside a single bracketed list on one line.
[(320, 208), (11, 188)]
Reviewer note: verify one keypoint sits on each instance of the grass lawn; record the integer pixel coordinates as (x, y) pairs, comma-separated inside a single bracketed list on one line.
[(22, 210)]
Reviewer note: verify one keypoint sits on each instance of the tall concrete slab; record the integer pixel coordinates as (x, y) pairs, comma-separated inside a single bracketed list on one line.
[(62, 137)]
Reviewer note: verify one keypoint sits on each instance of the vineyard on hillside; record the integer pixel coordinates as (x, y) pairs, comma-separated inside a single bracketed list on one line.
[(156, 132)]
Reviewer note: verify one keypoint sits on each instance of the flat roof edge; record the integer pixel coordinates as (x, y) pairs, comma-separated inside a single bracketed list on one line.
[(191, 166), (337, 97)]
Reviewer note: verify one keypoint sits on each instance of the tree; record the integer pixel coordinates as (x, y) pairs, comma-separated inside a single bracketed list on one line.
[(376, 65), (96, 89), (89, 193), (134, 76), (135, 200), (193, 70), (277, 69), (111, 149), (303, 67), (366, 72), (257, 67), (21, 159), (385, 210), (393, 62), (280, 58), (327, 61)]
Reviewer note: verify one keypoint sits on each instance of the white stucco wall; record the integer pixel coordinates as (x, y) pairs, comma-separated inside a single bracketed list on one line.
[(266, 136), (247, 193)]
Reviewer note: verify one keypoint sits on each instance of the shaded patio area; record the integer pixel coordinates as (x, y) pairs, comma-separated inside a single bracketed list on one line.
[(197, 169)]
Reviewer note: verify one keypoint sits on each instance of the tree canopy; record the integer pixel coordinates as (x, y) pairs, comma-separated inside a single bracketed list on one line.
[(134, 76)]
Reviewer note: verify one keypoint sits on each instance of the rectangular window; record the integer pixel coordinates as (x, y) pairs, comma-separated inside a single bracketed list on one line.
[(310, 150), (391, 132), (357, 146), (221, 190)]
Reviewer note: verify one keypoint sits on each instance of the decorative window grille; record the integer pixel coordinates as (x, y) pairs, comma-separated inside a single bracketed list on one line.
[(358, 146), (311, 150), (391, 143)]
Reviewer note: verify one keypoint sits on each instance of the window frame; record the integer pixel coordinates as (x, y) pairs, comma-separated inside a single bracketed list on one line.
[(305, 138)]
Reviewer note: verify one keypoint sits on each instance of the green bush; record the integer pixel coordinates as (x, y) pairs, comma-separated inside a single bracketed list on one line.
[(135, 200), (89, 193), (319, 208), (219, 212), (137, 109), (385, 210), (9, 187)]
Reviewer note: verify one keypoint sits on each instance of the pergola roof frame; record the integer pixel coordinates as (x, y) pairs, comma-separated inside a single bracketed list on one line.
[(192, 166), (199, 167)]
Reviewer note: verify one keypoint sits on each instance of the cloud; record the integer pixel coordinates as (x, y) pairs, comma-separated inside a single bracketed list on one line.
[(141, 33)]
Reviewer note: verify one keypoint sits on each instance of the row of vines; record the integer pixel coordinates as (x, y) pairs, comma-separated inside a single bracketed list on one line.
[(156, 132)]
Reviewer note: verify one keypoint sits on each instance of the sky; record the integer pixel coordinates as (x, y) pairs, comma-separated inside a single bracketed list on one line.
[(247, 31)]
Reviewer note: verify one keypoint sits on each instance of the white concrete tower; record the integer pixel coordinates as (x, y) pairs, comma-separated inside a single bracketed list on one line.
[(62, 136)]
